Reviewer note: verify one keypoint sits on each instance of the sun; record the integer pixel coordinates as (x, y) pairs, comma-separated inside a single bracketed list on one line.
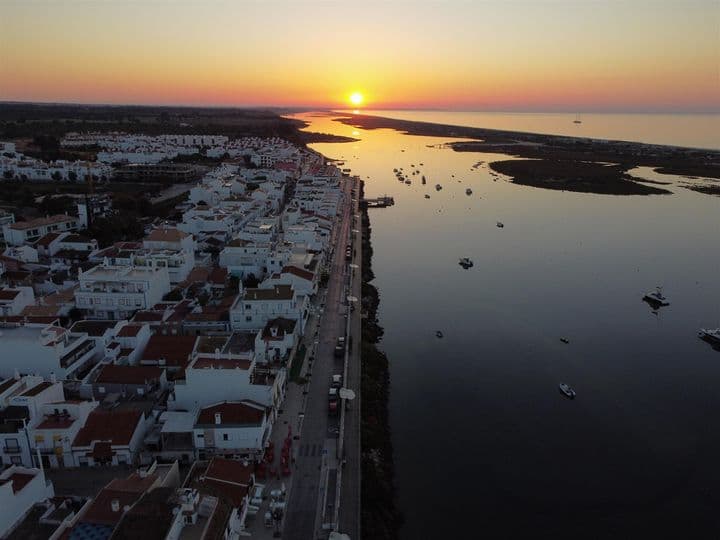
[(356, 98)]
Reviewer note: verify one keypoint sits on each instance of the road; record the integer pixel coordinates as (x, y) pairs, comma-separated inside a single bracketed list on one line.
[(316, 460)]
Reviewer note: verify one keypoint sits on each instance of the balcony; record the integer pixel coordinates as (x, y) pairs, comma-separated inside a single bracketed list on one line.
[(11, 449)]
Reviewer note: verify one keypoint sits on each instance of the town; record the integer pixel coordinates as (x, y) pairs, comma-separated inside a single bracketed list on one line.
[(199, 381)]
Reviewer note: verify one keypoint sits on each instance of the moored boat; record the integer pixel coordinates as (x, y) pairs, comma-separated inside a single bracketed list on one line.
[(566, 391), (656, 298), (711, 336)]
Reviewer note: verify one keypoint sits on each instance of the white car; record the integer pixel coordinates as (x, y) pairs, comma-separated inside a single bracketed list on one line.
[(256, 498)]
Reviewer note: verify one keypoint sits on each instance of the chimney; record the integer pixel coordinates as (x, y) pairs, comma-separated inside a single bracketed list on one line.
[(115, 505), (218, 418)]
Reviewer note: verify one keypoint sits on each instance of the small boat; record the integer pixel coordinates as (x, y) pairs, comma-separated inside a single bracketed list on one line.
[(427, 196), (438, 334), (466, 263), (422, 164), (500, 224), (408, 182), (468, 191), (656, 298), (711, 336), (438, 187), (423, 179), (577, 119), (566, 391), (565, 340)]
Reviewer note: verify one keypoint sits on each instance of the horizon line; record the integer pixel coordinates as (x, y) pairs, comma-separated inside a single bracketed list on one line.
[(344, 108)]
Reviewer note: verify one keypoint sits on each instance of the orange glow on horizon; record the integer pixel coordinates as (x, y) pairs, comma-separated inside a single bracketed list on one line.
[(579, 56)]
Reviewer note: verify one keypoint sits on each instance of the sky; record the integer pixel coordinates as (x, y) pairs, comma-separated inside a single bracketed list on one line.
[(581, 55)]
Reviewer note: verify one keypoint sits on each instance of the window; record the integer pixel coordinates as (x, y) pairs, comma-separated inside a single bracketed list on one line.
[(16, 460), (200, 436), (225, 437), (101, 389), (248, 318)]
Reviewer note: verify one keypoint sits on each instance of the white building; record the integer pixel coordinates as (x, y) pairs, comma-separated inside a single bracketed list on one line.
[(13, 301), (20, 489), (116, 292), (53, 432), (28, 231), (255, 307), (275, 341), (234, 429), (227, 377), (44, 350)]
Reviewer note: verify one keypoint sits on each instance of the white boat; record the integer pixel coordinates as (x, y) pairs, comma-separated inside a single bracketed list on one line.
[(712, 336), (567, 391), (466, 263), (500, 224), (468, 191), (656, 298)]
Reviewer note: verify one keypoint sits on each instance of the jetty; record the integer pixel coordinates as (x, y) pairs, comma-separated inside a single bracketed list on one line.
[(379, 202)]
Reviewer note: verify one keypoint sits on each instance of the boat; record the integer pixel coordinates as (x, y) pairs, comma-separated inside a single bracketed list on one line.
[(438, 187), (500, 224), (711, 336), (427, 196), (438, 334), (466, 263), (468, 191), (577, 119), (408, 182), (566, 391), (423, 179), (656, 298), (565, 340)]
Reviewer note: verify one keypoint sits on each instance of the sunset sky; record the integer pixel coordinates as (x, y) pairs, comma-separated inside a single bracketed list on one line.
[(612, 55)]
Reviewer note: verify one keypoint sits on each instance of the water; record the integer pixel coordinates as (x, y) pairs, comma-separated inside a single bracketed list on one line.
[(691, 130), (485, 445)]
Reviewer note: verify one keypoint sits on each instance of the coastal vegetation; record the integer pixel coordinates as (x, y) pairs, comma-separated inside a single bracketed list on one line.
[(380, 518)]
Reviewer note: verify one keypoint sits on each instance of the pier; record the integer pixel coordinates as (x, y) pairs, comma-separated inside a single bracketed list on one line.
[(379, 202)]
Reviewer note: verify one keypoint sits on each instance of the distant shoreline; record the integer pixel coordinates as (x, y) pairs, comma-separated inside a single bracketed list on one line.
[(566, 163)]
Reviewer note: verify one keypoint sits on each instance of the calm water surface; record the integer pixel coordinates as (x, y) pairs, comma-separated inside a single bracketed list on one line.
[(485, 445), (691, 130)]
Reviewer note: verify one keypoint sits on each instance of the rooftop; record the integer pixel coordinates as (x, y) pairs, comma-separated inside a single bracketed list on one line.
[(41, 222), (232, 413), (116, 427), (114, 374)]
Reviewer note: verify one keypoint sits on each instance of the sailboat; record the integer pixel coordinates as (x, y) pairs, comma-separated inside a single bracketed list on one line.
[(577, 119)]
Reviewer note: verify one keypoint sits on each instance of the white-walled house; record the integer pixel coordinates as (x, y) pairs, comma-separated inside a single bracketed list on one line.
[(13, 301), (226, 377), (20, 489), (49, 351), (255, 307), (28, 231), (54, 431), (275, 341), (244, 257), (116, 292), (235, 429)]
